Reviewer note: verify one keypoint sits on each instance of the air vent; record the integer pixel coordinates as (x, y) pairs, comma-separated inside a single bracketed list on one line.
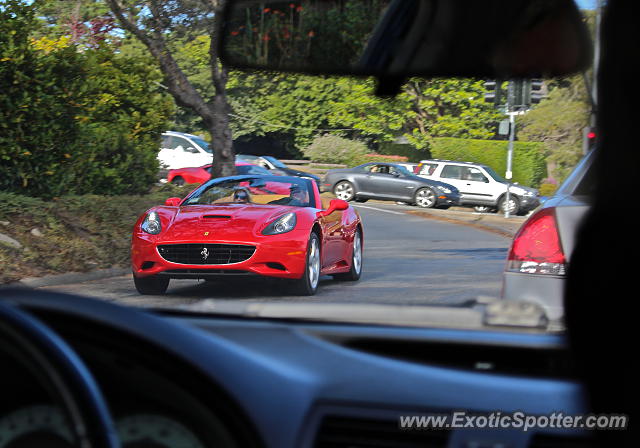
[(349, 432), (540, 362), (216, 217)]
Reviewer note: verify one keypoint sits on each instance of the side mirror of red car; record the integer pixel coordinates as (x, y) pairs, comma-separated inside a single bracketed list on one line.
[(334, 205), (173, 202)]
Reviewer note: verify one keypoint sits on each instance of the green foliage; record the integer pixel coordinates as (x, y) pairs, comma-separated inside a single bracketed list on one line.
[(558, 122), (334, 149), (529, 166), (548, 189), (73, 121)]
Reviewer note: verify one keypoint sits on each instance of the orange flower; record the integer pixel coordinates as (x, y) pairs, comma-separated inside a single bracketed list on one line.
[(311, 34)]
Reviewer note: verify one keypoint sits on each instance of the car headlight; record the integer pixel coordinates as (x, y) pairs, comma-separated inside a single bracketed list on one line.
[(151, 224), (523, 192), (285, 223), (444, 189)]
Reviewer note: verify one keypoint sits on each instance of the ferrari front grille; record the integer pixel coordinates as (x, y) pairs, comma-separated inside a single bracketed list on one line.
[(206, 253)]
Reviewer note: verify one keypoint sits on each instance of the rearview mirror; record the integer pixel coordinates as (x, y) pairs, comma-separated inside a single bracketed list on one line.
[(334, 205), (173, 202), (500, 39)]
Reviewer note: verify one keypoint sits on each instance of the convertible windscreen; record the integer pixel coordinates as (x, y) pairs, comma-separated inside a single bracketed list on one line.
[(253, 190)]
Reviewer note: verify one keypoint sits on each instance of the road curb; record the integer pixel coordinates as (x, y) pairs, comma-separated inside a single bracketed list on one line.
[(474, 222), (70, 277)]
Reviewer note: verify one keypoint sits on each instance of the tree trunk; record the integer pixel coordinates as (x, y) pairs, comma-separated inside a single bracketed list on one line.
[(221, 138), (214, 111)]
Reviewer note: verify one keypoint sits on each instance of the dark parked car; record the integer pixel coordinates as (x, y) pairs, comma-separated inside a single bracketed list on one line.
[(387, 181), (277, 167)]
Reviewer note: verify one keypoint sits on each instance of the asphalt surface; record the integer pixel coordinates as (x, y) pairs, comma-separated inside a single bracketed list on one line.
[(432, 257)]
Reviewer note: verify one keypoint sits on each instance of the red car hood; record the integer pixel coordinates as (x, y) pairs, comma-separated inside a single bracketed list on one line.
[(232, 222)]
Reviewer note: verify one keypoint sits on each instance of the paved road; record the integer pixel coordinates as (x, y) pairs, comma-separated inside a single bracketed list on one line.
[(408, 260)]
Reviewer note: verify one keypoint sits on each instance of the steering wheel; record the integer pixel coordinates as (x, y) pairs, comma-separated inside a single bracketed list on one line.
[(62, 373)]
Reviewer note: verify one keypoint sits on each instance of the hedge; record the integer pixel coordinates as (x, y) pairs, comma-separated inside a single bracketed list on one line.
[(529, 164)]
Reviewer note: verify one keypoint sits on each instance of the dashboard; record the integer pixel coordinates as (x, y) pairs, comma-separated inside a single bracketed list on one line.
[(175, 379)]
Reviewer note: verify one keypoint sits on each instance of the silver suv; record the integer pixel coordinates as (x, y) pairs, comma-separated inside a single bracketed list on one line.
[(480, 186)]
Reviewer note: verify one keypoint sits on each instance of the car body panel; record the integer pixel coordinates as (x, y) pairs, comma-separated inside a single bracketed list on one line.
[(570, 205), (180, 150), (282, 255)]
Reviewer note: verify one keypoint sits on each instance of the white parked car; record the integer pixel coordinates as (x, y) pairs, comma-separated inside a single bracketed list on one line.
[(480, 186), (180, 150)]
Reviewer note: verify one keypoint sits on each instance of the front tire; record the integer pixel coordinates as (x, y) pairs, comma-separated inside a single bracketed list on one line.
[(152, 285), (514, 205), (344, 190), (178, 181), (425, 198), (307, 285), (356, 261)]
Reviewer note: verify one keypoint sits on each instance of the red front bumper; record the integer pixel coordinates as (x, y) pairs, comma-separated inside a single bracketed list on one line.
[(282, 256)]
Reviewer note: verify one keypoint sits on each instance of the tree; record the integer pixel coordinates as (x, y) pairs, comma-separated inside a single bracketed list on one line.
[(423, 110), (74, 117), (153, 23), (558, 122)]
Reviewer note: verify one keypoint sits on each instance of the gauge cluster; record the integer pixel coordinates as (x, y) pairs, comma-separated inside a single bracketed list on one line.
[(154, 402), (46, 425)]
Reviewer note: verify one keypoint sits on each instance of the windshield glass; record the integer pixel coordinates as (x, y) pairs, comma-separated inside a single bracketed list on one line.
[(276, 162), (204, 145), (86, 176), (491, 172), (402, 170), (251, 169), (252, 190)]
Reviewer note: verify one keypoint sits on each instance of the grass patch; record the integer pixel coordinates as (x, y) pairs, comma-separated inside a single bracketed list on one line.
[(78, 233)]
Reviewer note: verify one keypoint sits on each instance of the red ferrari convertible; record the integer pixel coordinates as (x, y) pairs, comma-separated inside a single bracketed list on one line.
[(273, 226)]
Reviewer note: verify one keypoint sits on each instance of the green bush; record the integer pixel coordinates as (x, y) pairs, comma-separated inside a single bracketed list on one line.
[(334, 149), (339, 150), (548, 189), (529, 164), (72, 121)]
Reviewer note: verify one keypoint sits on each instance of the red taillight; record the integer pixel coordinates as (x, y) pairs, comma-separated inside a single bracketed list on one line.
[(536, 248)]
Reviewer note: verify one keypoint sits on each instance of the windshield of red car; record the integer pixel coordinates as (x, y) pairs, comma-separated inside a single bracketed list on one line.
[(252, 190)]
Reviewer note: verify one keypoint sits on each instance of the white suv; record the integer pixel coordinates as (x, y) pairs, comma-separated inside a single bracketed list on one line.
[(179, 150), (480, 186)]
